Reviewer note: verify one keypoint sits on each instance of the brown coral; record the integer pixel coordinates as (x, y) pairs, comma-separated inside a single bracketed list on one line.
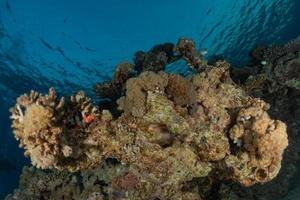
[(155, 59), (187, 49), (181, 90), (149, 102), (136, 91), (113, 89)]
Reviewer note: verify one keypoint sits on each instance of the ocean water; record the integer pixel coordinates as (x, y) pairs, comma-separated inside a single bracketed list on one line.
[(72, 45)]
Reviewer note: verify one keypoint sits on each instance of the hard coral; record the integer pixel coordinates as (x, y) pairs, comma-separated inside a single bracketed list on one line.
[(54, 132), (36, 125)]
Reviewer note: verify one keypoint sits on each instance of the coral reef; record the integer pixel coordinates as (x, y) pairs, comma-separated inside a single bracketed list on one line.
[(195, 137)]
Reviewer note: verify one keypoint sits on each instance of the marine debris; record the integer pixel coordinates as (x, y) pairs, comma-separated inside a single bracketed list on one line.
[(197, 137)]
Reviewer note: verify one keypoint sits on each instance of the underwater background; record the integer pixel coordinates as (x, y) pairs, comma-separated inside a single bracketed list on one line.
[(71, 45)]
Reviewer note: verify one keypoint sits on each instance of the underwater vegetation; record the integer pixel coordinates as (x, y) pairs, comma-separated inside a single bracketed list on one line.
[(218, 133)]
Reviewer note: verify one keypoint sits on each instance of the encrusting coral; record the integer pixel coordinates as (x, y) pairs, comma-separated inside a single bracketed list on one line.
[(172, 132)]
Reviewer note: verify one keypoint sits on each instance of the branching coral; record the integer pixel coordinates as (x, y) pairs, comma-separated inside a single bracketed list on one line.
[(54, 132), (187, 49), (35, 121), (172, 131), (280, 65)]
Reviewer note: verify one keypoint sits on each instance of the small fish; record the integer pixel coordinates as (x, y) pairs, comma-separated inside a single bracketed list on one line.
[(89, 49), (263, 62), (78, 43), (46, 44), (61, 51), (78, 64), (209, 11), (203, 52), (66, 19)]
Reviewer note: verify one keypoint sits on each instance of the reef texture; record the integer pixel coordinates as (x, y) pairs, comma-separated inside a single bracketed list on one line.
[(55, 184), (197, 137)]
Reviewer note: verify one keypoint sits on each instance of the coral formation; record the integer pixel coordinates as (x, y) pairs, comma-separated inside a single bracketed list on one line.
[(154, 60), (276, 82), (113, 89), (263, 141), (54, 132), (175, 137), (186, 48)]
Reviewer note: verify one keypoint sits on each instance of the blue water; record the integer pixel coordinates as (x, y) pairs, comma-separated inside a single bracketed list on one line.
[(73, 44)]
